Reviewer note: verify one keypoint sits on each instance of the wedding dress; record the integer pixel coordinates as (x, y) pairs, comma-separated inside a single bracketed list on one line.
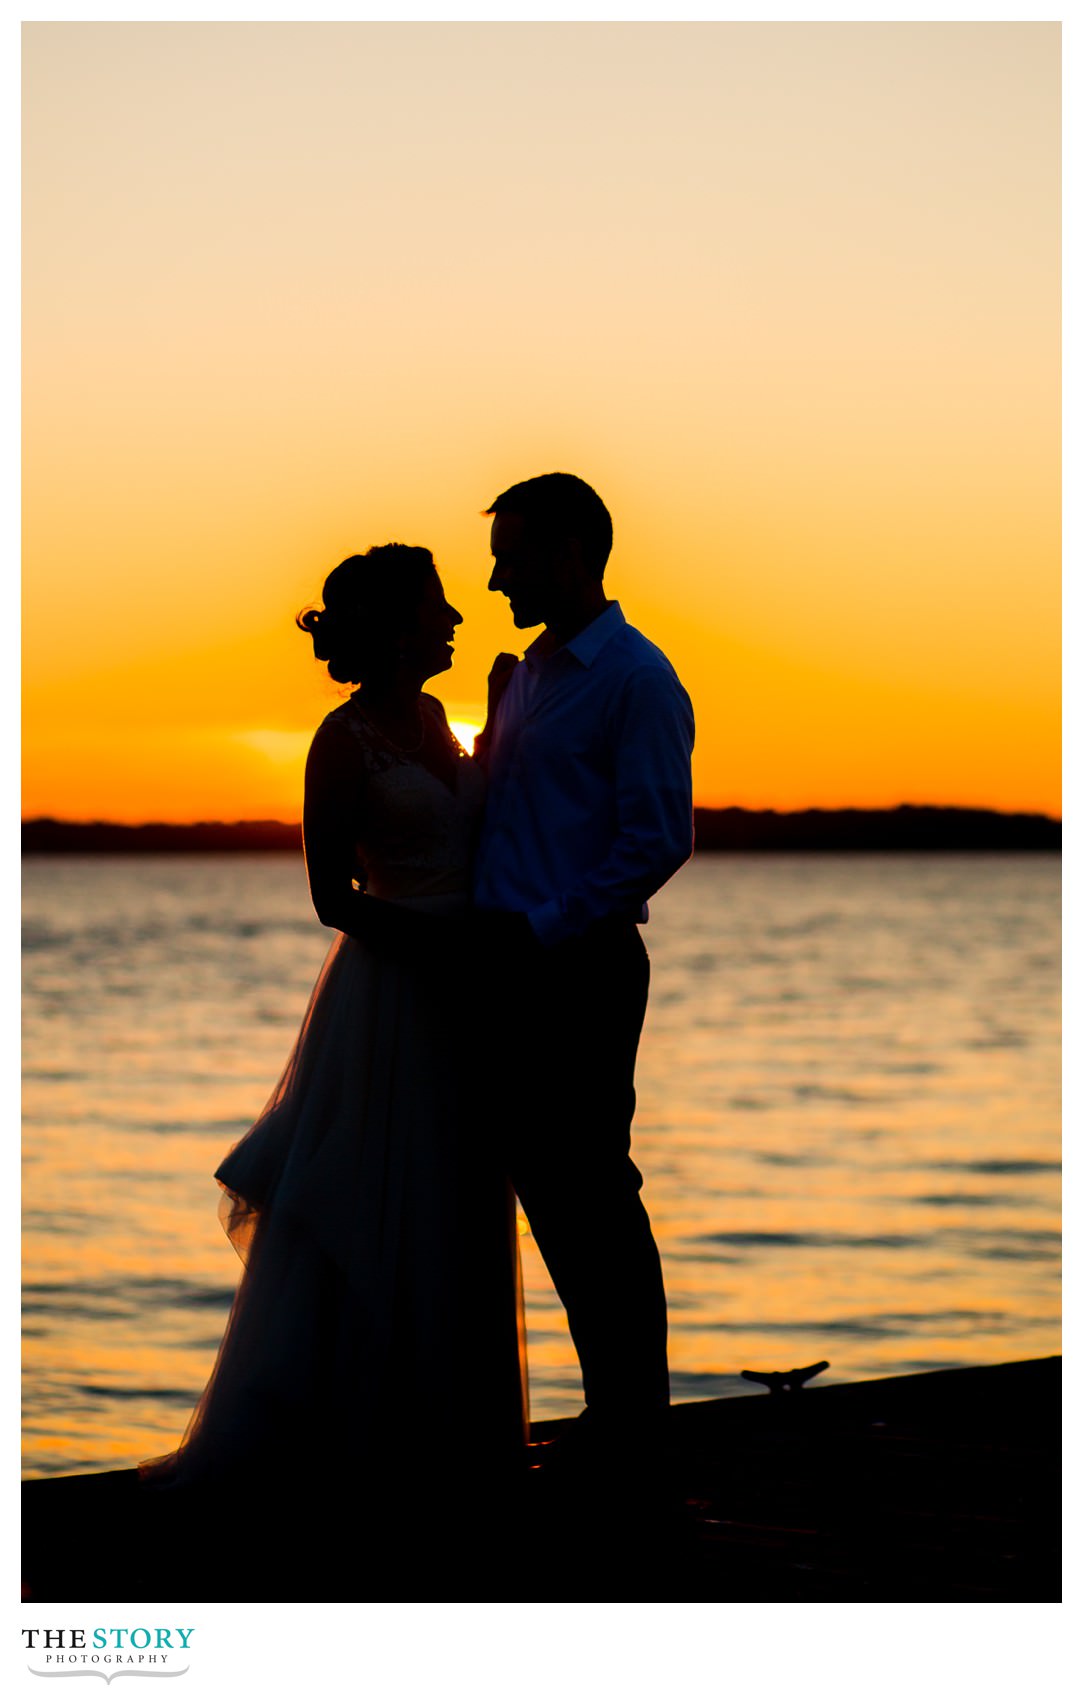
[(379, 1319)]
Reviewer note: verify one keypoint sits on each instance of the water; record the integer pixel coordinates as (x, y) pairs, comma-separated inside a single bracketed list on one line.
[(848, 1120)]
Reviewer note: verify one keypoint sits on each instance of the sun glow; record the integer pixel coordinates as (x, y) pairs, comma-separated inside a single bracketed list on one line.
[(833, 458), (284, 747), (466, 731)]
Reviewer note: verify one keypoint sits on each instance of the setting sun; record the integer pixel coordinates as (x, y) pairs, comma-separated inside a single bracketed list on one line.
[(466, 731)]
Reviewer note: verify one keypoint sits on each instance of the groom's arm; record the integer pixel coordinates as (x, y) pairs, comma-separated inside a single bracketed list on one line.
[(654, 732)]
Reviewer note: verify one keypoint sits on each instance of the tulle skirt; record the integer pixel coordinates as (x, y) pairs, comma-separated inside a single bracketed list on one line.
[(379, 1318)]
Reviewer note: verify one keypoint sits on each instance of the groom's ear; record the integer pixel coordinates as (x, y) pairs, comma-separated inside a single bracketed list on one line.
[(572, 556)]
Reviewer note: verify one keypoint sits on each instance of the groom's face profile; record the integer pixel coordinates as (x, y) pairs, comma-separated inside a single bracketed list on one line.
[(529, 572)]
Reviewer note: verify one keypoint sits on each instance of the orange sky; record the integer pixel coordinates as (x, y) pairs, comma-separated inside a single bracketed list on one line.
[(786, 294)]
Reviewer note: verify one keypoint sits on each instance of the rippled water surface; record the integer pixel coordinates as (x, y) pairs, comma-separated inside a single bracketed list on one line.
[(848, 1121)]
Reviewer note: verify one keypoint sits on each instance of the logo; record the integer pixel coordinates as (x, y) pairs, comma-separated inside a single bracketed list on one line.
[(108, 1653)]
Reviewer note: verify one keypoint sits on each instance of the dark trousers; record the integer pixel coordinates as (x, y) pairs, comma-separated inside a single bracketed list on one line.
[(571, 1027)]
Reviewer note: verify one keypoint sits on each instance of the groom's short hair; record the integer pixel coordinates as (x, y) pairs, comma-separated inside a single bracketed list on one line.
[(557, 506)]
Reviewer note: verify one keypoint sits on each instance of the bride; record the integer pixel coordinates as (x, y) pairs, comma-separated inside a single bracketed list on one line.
[(378, 1323)]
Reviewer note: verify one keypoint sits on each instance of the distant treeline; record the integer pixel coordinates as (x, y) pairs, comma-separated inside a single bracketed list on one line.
[(907, 828)]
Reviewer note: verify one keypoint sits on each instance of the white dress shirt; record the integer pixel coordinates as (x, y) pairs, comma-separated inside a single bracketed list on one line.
[(589, 808)]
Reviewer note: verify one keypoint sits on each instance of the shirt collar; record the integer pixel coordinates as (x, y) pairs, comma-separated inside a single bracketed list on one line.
[(585, 646)]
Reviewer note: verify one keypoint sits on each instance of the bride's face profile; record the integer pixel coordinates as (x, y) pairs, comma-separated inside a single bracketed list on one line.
[(427, 646)]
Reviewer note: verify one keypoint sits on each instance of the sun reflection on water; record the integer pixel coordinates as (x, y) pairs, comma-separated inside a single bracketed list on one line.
[(849, 1131)]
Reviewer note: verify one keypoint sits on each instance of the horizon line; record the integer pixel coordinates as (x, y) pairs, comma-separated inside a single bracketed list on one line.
[(705, 808)]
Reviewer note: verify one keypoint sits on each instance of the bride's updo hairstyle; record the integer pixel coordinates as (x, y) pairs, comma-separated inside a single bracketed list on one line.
[(369, 601)]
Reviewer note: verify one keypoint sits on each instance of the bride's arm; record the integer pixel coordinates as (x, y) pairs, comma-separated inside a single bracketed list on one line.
[(334, 781), (499, 676)]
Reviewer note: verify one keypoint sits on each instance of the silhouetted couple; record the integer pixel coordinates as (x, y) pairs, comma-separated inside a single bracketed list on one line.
[(472, 1035)]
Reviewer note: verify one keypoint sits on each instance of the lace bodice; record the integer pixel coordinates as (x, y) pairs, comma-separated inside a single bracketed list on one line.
[(415, 835)]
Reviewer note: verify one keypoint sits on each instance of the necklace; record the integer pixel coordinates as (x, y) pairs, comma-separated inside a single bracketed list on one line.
[(400, 749)]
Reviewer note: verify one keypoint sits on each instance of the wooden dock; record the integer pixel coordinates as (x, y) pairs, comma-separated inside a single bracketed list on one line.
[(925, 1488)]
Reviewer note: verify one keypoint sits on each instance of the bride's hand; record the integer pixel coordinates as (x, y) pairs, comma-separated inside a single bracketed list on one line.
[(499, 674)]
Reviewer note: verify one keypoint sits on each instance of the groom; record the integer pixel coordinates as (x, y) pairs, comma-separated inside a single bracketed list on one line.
[(589, 811)]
